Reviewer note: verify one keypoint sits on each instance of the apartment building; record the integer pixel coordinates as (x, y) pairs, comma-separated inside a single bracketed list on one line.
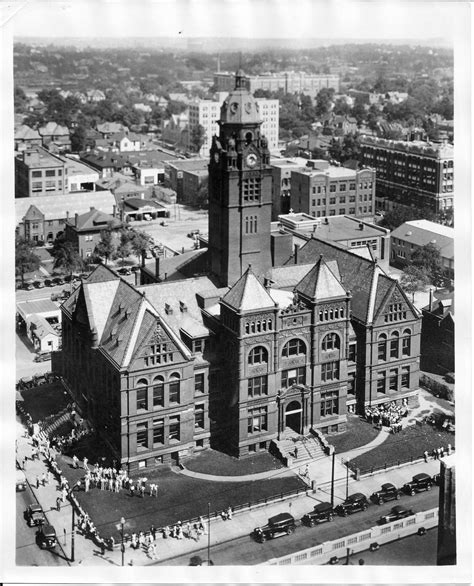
[(38, 172)]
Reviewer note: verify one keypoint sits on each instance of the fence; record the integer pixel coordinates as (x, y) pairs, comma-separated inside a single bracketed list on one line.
[(333, 551)]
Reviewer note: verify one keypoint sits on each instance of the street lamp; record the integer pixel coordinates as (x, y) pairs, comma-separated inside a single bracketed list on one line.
[(73, 525), (122, 523)]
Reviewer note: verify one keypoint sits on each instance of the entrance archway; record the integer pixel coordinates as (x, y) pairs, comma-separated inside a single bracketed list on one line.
[(293, 413)]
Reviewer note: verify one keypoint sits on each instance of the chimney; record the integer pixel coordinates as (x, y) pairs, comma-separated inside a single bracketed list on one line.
[(361, 226), (297, 247), (114, 210), (92, 208), (431, 299), (157, 267), (75, 219), (67, 215), (137, 278)]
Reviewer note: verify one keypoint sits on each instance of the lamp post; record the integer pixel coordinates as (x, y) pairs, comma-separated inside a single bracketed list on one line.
[(209, 563), (122, 547), (73, 524)]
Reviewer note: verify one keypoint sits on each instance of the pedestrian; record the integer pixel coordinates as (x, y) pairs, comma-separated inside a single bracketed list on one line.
[(85, 460), (64, 494), (43, 479), (25, 458), (75, 461), (425, 454), (306, 471), (296, 452), (37, 481), (58, 503), (132, 490), (151, 551), (102, 547), (435, 454), (86, 483), (153, 531), (229, 513), (141, 539), (449, 449)]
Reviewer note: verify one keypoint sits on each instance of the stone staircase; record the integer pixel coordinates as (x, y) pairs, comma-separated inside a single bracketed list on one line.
[(307, 448), (56, 423)]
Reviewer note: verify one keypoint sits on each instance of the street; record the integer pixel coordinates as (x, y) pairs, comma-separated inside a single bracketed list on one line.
[(28, 553), (245, 551)]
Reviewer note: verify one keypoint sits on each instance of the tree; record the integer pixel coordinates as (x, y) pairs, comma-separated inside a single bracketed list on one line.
[(197, 137), (66, 257), (20, 100), (428, 257), (79, 138), (324, 101), (26, 260), (140, 243), (106, 246), (124, 248), (414, 279)]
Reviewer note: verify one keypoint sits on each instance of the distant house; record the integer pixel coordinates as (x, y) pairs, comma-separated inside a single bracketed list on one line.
[(137, 208), (106, 129), (95, 96), (125, 141), (175, 130), (84, 230), (339, 125), (39, 172), (56, 135), (437, 333), (42, 319), (26, 137), (145, 108)]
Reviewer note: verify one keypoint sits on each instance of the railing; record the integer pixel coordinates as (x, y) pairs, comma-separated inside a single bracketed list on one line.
[(327, 447), (333, 551)]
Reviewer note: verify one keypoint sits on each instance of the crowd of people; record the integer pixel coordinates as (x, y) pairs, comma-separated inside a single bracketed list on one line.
[(387, 415)]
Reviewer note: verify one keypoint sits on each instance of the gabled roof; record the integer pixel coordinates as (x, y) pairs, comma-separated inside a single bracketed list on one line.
[(95, 219), (320, 283), (248, 294), (52, 128), (26, 133), (33, 213)]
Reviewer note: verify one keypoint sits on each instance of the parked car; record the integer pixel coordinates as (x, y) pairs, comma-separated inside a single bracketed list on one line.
[(164, 223), (282, 524), (48, 283), (46, 537), (135, 268), (193, 233), (39, 284), (321, 512), (20, 481), (124, 271), (387, 492), (353, 503), (395, 514), (449, 377), (34, 515), (28, 286), (42, 357), (418, 483), (58, 281)]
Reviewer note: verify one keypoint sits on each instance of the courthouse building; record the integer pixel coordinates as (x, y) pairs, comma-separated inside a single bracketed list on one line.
[(235, 356)]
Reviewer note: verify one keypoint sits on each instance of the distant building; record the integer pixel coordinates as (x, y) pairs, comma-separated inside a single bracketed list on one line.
[(55, 137), (39, 172), (290, 82), (138, 208), (411, 236), (26, 138), (323, 190), (411, 174), (107, 129), (80, 177), (42, 321), (95, 96), (281, 183), (84, 230), (186, 176), (437, 333)]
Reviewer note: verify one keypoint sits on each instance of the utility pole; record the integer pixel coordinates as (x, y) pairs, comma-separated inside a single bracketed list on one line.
[(347, 479), (208, 534), (332, 477)]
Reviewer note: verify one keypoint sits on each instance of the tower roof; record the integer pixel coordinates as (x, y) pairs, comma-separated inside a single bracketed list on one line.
[(248, 294), (240, 106), (320, 283)]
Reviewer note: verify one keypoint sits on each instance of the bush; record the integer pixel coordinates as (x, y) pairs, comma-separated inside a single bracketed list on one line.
[(437, 388)]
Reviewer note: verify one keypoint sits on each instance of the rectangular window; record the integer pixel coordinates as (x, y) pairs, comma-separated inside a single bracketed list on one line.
[(351, 377), (174, 391), (332, 201), (50, 173), (394, 347), (352, 186), (342, 211), (251, 189), (142, 399), (37, 186), (36, 173), (382, 350), (257, 386), (142, 436), (332, 188), (352, 352), (405, 378), (342, 187), (406, 346), (330, 371), (293, 376), (174, 434), (158, 432), (199, 383), (158, 394), (381, 376), (393, 382), (329, 403), (342, 199), (198, 345), (257, 420), (199, 416)]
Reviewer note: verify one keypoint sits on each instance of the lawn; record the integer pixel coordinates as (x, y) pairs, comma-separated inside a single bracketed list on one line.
[(409, 443), (359, 432), (179, 498), (45, 400), (213, 462)]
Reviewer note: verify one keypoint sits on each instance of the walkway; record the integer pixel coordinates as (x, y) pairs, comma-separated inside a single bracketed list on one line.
[(246, 478), (382, 436)]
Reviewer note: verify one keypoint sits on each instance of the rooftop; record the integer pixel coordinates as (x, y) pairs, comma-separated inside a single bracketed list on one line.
[(416, 146), (423, 232), (190, 164), (38, 157), (335, 228)]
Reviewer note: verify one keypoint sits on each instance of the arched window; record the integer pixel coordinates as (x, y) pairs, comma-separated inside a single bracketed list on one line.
[(331, 342), (394, 339), (294, 347), (252, 327), (258, 326), (247, 328), (158, 391), (342, 312), (269, 322), (175, 383), (258, 355), (382, 347), (406, 343), (142, 395)]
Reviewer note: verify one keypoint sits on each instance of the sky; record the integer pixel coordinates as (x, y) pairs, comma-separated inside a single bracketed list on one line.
[(236, 18)]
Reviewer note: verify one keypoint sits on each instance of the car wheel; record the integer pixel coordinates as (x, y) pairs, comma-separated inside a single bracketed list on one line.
[(364, 507), (428, 487), (380, 501), (311, 523), (398, 496), (331, 517), (344, 514), (290, 530), (412, 493)]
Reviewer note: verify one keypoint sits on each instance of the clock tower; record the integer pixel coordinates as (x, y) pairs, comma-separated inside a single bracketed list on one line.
[(240, 190)]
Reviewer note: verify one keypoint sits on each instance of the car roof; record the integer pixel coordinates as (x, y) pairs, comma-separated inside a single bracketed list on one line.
[(322, 507), (356, 496), (421, 476), (36, 507), (388, 485), (280, 518), (399, 509), (48, 530)]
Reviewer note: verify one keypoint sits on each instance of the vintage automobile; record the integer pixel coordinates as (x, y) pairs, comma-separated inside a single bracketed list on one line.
[(282, 524), (353, 503), (42, 357), (124, 271), (46, 537), (321, 512), (418, 483), (34, 515), (20, 481), (395, 514), (387, 492)]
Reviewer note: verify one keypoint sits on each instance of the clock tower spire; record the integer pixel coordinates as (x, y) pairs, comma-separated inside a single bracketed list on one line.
[(240, 190)]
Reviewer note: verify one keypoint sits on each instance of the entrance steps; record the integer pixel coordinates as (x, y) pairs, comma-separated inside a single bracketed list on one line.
[(294, 448)]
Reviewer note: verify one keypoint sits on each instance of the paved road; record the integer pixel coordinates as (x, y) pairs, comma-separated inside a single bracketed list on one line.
[(28, 552), (245, 551)]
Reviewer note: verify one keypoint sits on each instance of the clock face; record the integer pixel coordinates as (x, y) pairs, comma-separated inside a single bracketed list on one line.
[(251, 160), (234, 107), (248, 107)]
